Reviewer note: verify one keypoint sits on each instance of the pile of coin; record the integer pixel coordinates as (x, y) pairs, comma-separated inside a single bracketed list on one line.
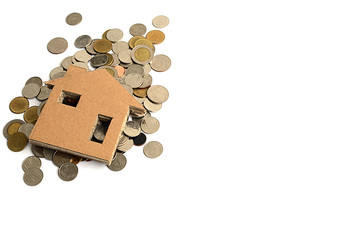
[(129, 62), (32, 172)]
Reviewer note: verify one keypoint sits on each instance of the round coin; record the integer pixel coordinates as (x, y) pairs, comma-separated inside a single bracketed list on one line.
[(13, 128), (68, 171), (132, 129), (134, 80), (57, 45), (137, 29), (120, 70), (33, 176), (26, 129), (118, 46), (102, 46), (55, 71), (133, 40), (31, 162), (144, 41), (90, 47), (142, 54), (114, 35), (126, 146), (135, 68), (147, 81), (30, 115), (99, 60), (124, 56), (17, 142), (158, 94), (118, 163), (149, 125), (37, 150), (44, 93), (160, 63), (59, 75), (19, 104), (60, 157), (140, 92), (82, 41), (140, 139), (36, 80), (160, 21), (82, 56), (30, 90), (152, 107), (153, 149), (155, 36), (73, 18)]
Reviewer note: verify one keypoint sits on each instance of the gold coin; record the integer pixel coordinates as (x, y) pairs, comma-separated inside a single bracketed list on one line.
[(140, 92), (142, 54), (102, 46), (31, 115), (104, 34), (155, 36), (17, 142), (19, 105), (146, 42), (133, 40), (13, 128), (76, 159), (110, 59)]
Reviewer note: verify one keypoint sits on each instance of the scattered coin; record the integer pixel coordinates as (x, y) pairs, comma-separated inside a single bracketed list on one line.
[(137, 29), (134, 80), (160, 21), (44, 93), (30, 90), (132, 129), (55, 71), (140, 139), (155, 36), (13, 128), (31, 162), (118, 46), (126, 146), (152, 107), (153, 149), (150, 125), (37, 150), (48, 153), (114, 35), (102, 46), (73, 18), (135, 68), (144, 41), (158, 94), (133, 40), (17, 142), (90, 47), (60, 157), (82, 56), (82, 41), (30, 115), (68, 171), (33, 176), (59, 75), (99, 60), (160, 63), (82, 65), (124, 56), (36, 80), (118, 163), (120, 70), (142, 54), (19, 104), (147, 81), (57, 45), (26, 129), (140, 92)]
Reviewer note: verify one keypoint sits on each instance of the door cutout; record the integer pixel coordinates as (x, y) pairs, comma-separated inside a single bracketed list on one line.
[(100, 128)]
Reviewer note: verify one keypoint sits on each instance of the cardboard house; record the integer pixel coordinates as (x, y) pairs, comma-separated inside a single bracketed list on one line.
[(77, 104)]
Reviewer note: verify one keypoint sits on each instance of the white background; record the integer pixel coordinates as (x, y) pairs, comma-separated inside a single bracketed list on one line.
[(261, 132)]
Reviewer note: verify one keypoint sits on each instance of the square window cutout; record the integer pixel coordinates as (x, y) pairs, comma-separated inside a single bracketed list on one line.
[(69, 98)]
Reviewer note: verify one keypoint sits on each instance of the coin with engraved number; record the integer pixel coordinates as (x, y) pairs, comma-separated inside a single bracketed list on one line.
[(82, 41), (30, 90), (160, 63), (36, 80), (118, 163), (73, 18), (31, 162), (160, 21), (57, 45), (150, 125), (153, 149), (68, 171), (26, 129), (17, 142), (60, 157), (132, 129), (19, 104), (33, 176), (137, 29)]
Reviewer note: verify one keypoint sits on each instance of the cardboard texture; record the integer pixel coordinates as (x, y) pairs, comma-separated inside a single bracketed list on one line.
[(69, 129)]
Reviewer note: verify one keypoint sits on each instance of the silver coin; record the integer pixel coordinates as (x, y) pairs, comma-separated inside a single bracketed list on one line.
[(60, 157), (137, 29), (30, 90), (36, 80), (82, 41), (37, 150), (150, 125), (135, 68), (118, 46), (99, 60), (26, 129), (158, 94), (82, 65), (31, 162), (5, 129), (110, 69), (58, 75), (100, 132), (39, 109), (118, 163), (160, 63), (132, 129), (126, 146), (132, 54), (57, 45), (90, 47), (68, 171), (65, 63), (147, 68), (134, 80), (153, 149), (114, 35), (73, 18), (160, 21), (55, 71), (124, 56), (127, 88), (116, 60), (152, 107), (44, 93), (33, 176), (147, 81), (48, 153), (122, 140), (82, 56)]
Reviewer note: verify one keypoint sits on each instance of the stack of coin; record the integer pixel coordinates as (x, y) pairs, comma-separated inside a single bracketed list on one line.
[(32, 172)]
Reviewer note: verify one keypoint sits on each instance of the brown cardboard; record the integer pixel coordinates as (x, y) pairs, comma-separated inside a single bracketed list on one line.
[(69, 129)]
